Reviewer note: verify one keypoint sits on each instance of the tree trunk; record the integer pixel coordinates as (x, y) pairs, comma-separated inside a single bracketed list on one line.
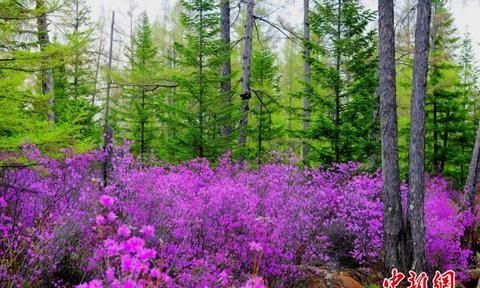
[(247, 59), (470, 238), (473, 172), (107, 130), (338, 59), (142, 127), (76, 55), (415, 212), (201, 84), (97, 66), (307, 72), (47, 74), (394, 236), (226, 85), (435, 137)]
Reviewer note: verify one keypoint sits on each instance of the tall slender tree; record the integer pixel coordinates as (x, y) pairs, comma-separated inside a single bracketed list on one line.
[(416, 188), (246, 93), (200, 56), (43, 42), (306, 74), (226, 85), (345, 71), (394, 233)]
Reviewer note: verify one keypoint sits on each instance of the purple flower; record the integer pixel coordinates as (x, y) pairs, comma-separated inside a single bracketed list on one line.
[(107, 201), (100, 220), (123, 231), (111, 216), (146, 254), (111, 247), (110, 274), (155, 273), (129, 283), (147, 231), (3, 203), (255, 246), (134, 245)]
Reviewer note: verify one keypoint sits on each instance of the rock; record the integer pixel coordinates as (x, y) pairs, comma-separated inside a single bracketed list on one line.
[(320, 278), (347, 281)]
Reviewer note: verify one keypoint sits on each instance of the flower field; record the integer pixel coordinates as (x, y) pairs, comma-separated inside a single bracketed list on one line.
[(195, 225)]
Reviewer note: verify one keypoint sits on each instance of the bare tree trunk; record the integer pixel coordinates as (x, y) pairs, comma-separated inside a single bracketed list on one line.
[(97, 66), (201, 84), (394, 229), (246, 59), (473, 172), (306, 72), (76, 56), (142, 127), (416, 193), (47, 74), (338, 59), (107, 130), (226, 85), (470, 238)]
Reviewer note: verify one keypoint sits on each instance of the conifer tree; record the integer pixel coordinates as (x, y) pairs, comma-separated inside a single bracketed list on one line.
[(449, 129), (136, 110), (346, 75), (200, 56)]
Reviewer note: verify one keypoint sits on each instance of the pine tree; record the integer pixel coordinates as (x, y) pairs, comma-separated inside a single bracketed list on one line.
[(449, 122), (200, 56), (265, 100), (75, 78), (346, 74), (137, 109), (25, 71)]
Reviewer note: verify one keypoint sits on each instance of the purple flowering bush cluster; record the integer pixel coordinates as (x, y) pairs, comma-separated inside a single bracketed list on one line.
[(192, 225)]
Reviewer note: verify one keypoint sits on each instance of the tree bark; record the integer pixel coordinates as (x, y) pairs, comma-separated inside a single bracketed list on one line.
[(226, 85), (338, 59), (416, 193), (47, 74), (394, 233), (201, 84), (107, 130), (247, 59), (97, 66), (473, 172), (306, 72)]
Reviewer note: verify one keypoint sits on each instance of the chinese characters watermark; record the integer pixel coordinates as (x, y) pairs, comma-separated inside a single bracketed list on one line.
[(440, 280)]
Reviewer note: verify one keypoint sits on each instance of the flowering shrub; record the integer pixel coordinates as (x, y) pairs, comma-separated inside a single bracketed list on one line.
[(191, 225)]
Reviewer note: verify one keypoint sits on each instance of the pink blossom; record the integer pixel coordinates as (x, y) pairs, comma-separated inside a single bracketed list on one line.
[(255, 246), (134, 245), (123, 231), (129, 283), (112, 247), (155, 273), (147, 231), (110, 274), (146, 254), (107, 201), (100, 220), (111, 216), (3, 203)]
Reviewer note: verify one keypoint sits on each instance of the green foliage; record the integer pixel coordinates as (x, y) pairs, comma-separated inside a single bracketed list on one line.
[(344, 83), (135, 115), (198, 98), (25, 107), (449, 129), (265, 103)]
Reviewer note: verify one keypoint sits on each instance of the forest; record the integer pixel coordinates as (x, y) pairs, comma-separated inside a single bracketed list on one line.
[(226, 144)]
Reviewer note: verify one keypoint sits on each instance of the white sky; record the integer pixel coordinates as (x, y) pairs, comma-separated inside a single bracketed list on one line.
[(466, 12)]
